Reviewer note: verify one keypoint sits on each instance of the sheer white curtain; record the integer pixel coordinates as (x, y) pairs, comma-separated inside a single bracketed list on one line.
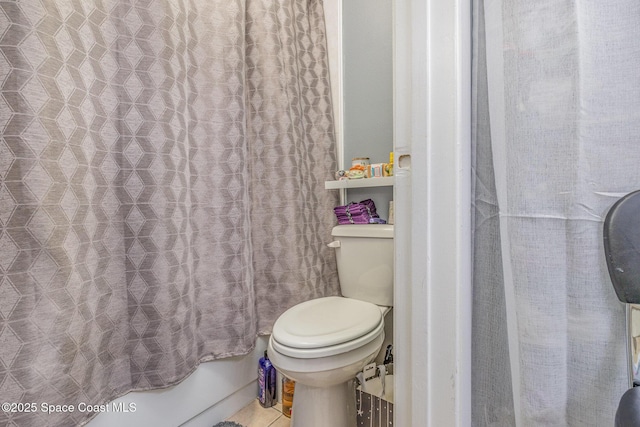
[(557, 142)]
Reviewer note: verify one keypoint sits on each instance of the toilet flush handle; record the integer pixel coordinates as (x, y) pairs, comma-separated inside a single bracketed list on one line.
[(334, 244)]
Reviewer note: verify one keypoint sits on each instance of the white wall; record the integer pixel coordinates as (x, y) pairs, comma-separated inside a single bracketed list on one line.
[(360, 64), (367, 41), (213, 392)]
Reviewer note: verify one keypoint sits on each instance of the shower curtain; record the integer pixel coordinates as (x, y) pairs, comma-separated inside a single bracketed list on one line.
[(556, 133), (161, 189)]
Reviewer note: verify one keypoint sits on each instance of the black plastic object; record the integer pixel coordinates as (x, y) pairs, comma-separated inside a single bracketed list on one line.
[(622, 247), (628, 413), (388, 355)]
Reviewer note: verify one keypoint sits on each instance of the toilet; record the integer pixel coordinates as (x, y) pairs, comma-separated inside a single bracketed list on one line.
[(323, 343)]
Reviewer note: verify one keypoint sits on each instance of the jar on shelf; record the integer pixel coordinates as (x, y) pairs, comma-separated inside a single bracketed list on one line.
[(360, 161)]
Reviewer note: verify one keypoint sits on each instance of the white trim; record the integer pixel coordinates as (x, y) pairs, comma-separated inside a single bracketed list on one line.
[(402, 130), (464, 261), (333, 25), (385, 181), (339, 116), (432, 78)]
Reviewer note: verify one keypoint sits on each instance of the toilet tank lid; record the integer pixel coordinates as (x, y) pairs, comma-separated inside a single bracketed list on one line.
[(384, 231)]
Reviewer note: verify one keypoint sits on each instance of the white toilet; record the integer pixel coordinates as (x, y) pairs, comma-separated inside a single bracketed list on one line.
[(323, 343)]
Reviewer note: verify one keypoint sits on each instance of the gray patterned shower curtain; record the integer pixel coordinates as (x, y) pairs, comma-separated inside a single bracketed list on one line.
[(161, 188)]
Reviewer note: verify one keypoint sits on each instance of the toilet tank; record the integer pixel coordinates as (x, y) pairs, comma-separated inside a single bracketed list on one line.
[(364, 254)]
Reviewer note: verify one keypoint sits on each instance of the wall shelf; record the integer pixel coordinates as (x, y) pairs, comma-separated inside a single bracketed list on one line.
[(360, 183)]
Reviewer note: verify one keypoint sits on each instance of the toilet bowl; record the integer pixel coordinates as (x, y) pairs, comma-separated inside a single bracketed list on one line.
[(323, 343)]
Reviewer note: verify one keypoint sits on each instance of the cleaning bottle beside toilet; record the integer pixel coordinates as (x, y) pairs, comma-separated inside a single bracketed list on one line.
[(266, 382), (288, 386)]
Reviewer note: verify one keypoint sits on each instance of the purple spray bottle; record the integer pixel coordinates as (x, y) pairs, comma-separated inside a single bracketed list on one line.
[(266, 382)]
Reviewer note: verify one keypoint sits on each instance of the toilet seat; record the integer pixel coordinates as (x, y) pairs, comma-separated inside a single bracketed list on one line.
[(326, 326)]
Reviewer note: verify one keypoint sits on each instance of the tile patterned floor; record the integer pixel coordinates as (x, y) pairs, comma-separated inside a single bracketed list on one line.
[(254, 415)]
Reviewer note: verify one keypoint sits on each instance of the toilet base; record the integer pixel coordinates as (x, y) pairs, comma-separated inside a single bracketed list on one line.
[(333, 406)]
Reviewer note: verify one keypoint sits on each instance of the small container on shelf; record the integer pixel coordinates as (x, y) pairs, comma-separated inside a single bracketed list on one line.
[(360, 161), (388, 167), (375, 170)]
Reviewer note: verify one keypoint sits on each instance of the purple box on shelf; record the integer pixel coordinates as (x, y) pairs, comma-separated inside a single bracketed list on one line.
[(363, 212)]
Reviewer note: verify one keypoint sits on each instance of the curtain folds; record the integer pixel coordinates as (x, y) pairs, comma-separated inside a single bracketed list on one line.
[(289, 124), (556, 131), (161, 195)]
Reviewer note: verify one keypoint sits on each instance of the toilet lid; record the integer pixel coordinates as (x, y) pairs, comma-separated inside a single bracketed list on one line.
[(327, 322)]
